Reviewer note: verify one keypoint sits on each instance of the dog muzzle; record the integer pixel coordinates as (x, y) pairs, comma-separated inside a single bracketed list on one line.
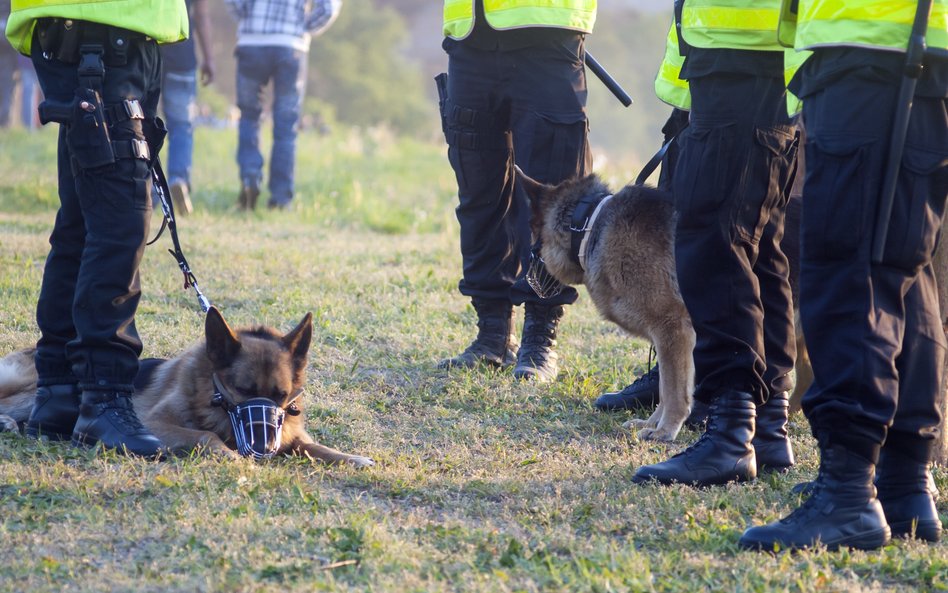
[(257, 422), (539, 278)]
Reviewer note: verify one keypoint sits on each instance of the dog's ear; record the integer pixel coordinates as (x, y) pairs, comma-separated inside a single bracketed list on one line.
[(298, 341), (535, 190), (222, 343)]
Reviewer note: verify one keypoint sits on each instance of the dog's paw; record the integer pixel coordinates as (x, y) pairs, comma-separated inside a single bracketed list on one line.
[(636, 423), (657, 434), (359, 461), (8, 424)]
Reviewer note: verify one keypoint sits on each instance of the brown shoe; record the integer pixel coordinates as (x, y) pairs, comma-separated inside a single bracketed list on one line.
[(249, 192), (181, 197)]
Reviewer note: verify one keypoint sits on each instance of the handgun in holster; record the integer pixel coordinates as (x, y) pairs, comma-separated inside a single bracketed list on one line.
[(441, 81)]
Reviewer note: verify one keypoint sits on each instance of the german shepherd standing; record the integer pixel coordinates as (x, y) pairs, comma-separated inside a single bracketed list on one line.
[(177, 405), (629, 271)]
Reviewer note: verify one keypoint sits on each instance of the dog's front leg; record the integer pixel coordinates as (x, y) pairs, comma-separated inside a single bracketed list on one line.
[(307, 447), (186, 440)]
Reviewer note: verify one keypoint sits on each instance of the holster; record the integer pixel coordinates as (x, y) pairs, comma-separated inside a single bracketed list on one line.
[(441, 81), (87, 132)]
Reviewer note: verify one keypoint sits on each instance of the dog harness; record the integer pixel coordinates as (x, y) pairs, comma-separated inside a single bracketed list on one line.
[(581, 225)]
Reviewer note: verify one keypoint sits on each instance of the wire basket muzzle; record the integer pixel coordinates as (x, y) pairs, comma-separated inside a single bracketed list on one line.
[(258, 427)]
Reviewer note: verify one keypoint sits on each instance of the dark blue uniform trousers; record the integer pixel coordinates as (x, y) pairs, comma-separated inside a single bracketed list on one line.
[(873, 329), (731, 185), (90, 289), (523, 106)]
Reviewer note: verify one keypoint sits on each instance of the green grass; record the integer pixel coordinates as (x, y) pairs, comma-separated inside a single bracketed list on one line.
[(482, 483)]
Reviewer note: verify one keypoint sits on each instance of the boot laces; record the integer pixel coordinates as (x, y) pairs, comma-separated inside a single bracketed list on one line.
[(124, 414), (811, 504)]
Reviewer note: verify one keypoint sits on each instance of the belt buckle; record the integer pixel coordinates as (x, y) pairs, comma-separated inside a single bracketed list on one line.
[(133, 109), (140, 149)]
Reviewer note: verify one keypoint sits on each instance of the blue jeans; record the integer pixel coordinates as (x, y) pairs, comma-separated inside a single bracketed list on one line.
[(178, 91), (256, 66)]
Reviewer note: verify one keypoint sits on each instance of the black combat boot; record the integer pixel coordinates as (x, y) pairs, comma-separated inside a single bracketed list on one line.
[(54, 414), (906, 488), (495, 345), (722, 454), (537, 360), (842, 510), (641, 394), (107, 417), (771, 443)]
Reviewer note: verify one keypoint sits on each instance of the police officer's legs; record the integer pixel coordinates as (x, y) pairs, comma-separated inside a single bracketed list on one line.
[(114, 202), (724, 204), (56, 406), (550, 130), (903, 475), (771, 443), (480, 153), (854, 311)]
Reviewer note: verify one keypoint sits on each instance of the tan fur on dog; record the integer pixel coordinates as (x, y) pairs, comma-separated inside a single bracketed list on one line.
[(630, 276), (176, 403)]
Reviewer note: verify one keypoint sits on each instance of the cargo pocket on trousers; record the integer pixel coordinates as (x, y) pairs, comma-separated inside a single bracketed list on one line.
[(558, 148), (918, 208), (764, 183), (702, 176), (834, 198)]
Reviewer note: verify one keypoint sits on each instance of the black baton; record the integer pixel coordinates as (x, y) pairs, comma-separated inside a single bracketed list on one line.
[(607, 80), (913, 71)]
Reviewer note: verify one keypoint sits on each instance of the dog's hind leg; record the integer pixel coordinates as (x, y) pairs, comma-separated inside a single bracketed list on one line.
[(675, 349)]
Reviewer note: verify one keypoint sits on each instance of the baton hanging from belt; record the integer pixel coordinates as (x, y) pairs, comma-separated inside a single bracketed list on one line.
[(914, 54), (607, 80)]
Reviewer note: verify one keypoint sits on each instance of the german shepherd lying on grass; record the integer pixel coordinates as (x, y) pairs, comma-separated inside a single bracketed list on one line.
[(627, 262), (225, 390)]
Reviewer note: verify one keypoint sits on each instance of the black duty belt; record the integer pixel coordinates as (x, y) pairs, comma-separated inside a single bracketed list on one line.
[(61, 39)]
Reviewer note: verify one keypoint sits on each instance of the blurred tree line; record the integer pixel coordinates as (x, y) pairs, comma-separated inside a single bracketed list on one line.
[(376, 63)]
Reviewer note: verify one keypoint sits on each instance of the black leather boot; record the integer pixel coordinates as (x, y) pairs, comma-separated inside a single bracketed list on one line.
[(107, 417), (537, 360), (54, 413), (842, 510), (771, 443), (906, 489), (723, 453), (495, 345), (643, 393)]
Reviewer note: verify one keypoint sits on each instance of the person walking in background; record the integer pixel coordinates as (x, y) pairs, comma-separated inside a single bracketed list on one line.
[(731, 187), (8, 70), (872, 324), (179, 67), (109, 135), (273, 38), (29, 93), (514, 93)]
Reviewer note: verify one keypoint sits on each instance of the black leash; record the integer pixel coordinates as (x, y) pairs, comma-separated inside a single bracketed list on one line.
[(167, 207), (650, 166)]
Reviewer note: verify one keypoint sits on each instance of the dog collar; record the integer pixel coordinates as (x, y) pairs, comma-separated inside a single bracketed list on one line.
[(582, 223)]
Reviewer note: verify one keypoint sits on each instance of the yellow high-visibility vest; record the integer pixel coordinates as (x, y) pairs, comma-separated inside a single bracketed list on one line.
[(875, 24), (165, 21), (731, 24), (668, 87), (578, 15)]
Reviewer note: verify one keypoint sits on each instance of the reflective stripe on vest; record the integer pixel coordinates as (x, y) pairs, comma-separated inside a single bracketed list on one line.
[(165, 21), (733, 24), (668, 87), (578, 15), (877, 24)]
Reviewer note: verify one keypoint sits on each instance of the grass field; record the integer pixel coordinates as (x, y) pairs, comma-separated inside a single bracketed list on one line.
[(481, 484)]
